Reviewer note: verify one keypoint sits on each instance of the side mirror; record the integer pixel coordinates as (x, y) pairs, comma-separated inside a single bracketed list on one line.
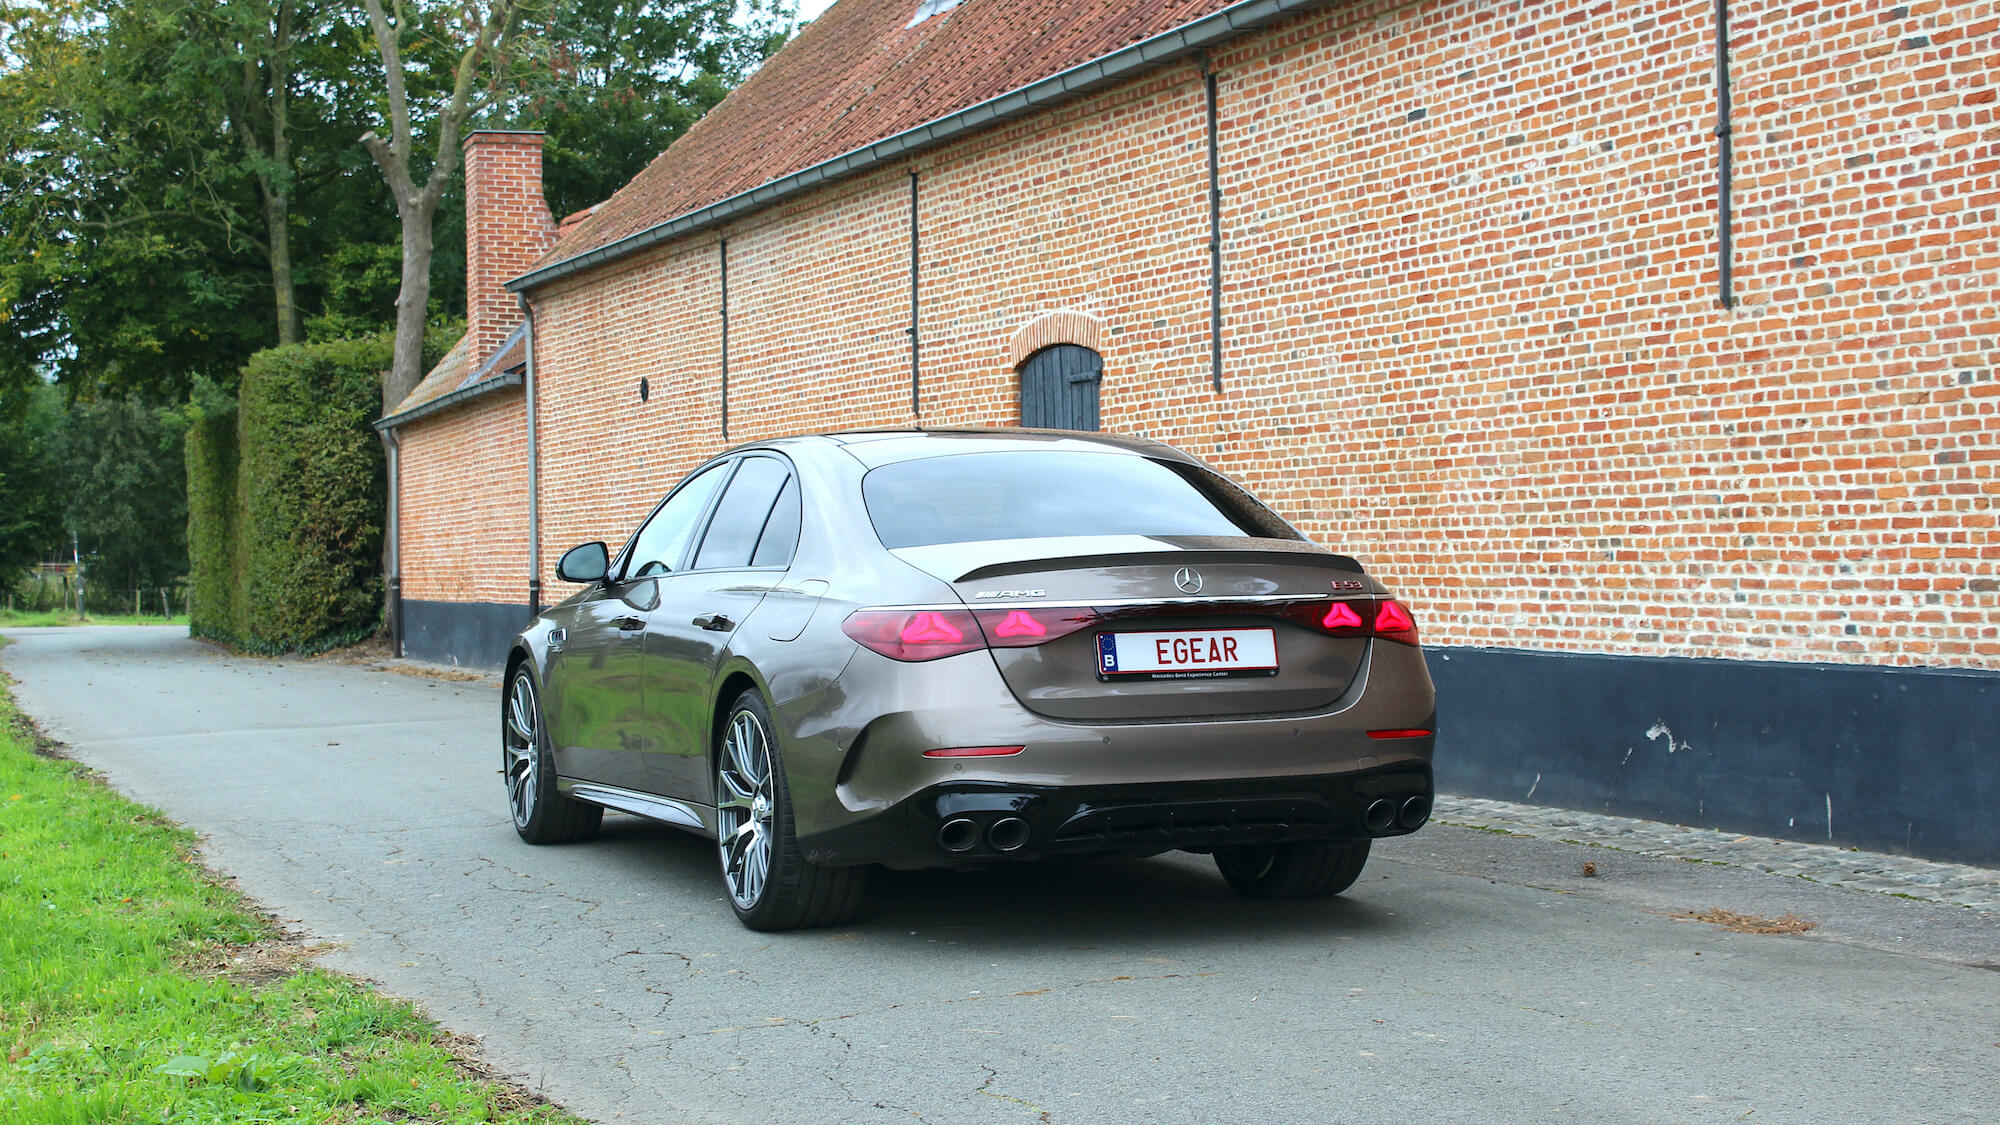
[(588, 563)]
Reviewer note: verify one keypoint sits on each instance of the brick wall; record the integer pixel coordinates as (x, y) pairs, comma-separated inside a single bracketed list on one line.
[(464, 503), (1471, 333)]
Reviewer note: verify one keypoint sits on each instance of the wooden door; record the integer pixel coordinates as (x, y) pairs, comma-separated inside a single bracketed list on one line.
[(1059, 388)]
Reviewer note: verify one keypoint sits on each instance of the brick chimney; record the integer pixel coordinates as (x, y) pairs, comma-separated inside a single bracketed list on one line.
[(507, 228)]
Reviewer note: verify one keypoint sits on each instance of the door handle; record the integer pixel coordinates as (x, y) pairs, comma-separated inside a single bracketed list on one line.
[(629, 624), (714, 622)]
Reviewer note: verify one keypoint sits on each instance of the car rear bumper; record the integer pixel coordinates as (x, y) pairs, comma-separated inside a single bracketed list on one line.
[(966, 823)]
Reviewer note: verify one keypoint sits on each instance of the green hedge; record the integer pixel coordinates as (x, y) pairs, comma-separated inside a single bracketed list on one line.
[(293, 560), (211, 493), (314, 492)]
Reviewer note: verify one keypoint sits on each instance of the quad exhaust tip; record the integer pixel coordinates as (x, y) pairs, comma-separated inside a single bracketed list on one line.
[(1415, 811), (1380, 817), (1008, 834), (959, 834)]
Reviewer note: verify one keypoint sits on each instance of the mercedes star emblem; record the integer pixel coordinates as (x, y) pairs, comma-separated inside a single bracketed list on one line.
[(1188, 580)]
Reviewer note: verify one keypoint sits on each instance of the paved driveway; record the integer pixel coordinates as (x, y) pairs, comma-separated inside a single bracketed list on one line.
[(1468, 977)]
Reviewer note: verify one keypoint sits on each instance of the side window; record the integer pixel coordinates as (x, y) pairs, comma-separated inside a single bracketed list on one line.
[(739, 519), (781, 531), (658, 547)]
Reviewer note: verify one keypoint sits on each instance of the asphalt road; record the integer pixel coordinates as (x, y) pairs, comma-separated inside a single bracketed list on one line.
[(1468, 977)]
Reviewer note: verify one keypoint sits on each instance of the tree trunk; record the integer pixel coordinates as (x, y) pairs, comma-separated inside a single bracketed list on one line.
[(406, 370), (278, 212), (277, 220)]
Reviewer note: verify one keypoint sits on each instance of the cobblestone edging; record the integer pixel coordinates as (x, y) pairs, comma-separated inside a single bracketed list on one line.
[(1975, 887)]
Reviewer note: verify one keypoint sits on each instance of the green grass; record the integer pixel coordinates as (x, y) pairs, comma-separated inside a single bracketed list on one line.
[(70, 617), (134, 987)]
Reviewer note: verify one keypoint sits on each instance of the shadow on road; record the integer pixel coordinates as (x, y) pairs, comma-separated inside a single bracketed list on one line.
[(1057, 904)]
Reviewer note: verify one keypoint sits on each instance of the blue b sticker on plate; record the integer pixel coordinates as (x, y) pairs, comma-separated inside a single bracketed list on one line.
[(1107, 654)]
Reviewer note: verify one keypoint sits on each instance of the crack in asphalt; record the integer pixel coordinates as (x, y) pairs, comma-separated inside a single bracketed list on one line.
[(986, 1088)]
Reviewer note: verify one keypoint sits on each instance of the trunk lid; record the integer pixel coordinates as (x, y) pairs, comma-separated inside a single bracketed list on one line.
[(1188, 626)]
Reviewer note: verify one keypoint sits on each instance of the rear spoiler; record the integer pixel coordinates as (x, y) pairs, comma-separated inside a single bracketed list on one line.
[(1288, 557)]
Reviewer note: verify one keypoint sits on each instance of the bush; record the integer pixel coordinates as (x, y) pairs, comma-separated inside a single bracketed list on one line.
[(314, 492), (211, 501), (287, 497)]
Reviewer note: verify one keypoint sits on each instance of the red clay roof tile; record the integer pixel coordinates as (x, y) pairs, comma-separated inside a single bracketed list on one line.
[(858, 74)]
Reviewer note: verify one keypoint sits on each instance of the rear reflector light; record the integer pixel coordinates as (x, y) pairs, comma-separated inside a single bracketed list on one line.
[(1412, 732), (921, 634), (973, 751)]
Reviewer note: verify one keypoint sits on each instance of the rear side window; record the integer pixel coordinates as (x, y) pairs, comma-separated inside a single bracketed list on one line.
[(781, 532), (739, 519), (1034, 494)]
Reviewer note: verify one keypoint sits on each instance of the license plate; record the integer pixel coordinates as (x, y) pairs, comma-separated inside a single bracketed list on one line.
[(1188, 654)]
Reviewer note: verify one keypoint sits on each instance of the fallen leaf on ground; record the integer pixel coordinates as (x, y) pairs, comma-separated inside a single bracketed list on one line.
[(1786, 923)]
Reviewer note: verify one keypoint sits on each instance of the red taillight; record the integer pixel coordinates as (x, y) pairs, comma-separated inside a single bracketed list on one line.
[(973, 751), (1340, 615), (1413, 732), (1025, 628), (1358, 617), (1394, 623), (914, 634), (1020, 623), (930, 628)]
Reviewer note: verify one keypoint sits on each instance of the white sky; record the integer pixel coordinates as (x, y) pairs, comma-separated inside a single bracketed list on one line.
[(810, 9)]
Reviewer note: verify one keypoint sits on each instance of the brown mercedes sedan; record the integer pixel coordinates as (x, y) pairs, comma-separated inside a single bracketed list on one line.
[(955, 648)]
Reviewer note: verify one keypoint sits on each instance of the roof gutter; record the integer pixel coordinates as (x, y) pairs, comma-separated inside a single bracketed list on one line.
[(445, 402), (1208, 31)]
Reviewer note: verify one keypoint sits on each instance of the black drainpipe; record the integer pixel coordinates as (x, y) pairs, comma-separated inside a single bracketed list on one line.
[(915, 410), (534, 465), (723, 251), (394, 442), (1214, 229), (1724, 243)]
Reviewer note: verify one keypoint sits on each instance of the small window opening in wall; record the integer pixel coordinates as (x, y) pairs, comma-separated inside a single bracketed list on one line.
[(645, 389), (931, 8)]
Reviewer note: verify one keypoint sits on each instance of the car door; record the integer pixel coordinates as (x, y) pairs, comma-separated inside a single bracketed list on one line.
[(742, 554), (594, 690), (597, 683)]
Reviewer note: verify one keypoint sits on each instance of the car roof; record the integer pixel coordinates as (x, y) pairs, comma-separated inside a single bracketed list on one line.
[(889, 445)]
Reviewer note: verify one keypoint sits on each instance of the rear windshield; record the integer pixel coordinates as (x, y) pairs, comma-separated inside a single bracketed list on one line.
[(1033, 494)]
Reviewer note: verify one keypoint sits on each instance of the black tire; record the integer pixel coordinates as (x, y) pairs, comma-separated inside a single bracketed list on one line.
[(1303, 870), (541, 814), (754, 823)]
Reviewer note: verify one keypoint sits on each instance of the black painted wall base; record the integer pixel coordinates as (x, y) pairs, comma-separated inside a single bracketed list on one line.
[(467, 634), (1888, 759)]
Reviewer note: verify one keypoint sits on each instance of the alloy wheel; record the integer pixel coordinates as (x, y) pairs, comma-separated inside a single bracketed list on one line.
[(745, 807), (521, 761)]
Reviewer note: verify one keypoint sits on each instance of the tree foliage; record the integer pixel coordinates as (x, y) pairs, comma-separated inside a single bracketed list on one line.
[(614, 82), (124, 494), (30, 495), (179, 187), (101, 475)]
